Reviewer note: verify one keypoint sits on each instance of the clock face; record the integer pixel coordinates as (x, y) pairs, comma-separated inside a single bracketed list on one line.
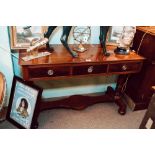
[(82, 33)]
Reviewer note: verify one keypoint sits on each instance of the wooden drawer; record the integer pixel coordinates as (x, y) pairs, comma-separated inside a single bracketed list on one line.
[(48, 71), (125, 67), (89, 69)]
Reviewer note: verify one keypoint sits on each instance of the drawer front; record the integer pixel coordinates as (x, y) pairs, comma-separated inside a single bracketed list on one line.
[(89, 69), (48, 72), (125, 67)]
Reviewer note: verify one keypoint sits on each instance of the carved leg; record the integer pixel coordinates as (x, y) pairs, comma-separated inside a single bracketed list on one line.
[(121, 81), (47, 35), (103, 35), (110, 91), (64, 40)]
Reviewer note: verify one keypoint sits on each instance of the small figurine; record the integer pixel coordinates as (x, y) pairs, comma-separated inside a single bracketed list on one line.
[(47, 35), (103, 35), (63, 39)]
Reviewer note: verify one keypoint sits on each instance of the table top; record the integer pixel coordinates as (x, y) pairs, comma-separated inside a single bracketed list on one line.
[(93, 55)]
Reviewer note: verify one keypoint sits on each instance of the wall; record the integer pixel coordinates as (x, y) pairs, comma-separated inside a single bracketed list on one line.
[(55, 37), (5, 58)]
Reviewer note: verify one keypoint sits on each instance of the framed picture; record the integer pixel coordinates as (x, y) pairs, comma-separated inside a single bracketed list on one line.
[(23, 36), (114, 34), (23, 106)]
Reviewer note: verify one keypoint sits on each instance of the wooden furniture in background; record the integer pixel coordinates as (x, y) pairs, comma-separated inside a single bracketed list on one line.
[(148, 121), (60, 65), (138, 87), (2, 88)]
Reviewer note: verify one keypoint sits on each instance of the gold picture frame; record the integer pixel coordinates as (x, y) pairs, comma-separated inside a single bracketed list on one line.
[(21, 37)]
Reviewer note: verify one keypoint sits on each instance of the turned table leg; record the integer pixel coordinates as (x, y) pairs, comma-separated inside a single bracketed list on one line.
[(120, 88)]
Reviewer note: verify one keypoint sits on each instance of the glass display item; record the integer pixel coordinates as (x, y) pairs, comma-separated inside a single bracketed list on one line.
[(81, 36), (125, 40)]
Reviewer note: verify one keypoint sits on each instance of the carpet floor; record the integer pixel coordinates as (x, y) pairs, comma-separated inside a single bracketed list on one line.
[(98, 116)]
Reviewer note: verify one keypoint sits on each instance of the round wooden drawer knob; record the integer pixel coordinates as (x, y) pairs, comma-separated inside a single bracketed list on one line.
[(124, 67), (90, 69), (50, 72)]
